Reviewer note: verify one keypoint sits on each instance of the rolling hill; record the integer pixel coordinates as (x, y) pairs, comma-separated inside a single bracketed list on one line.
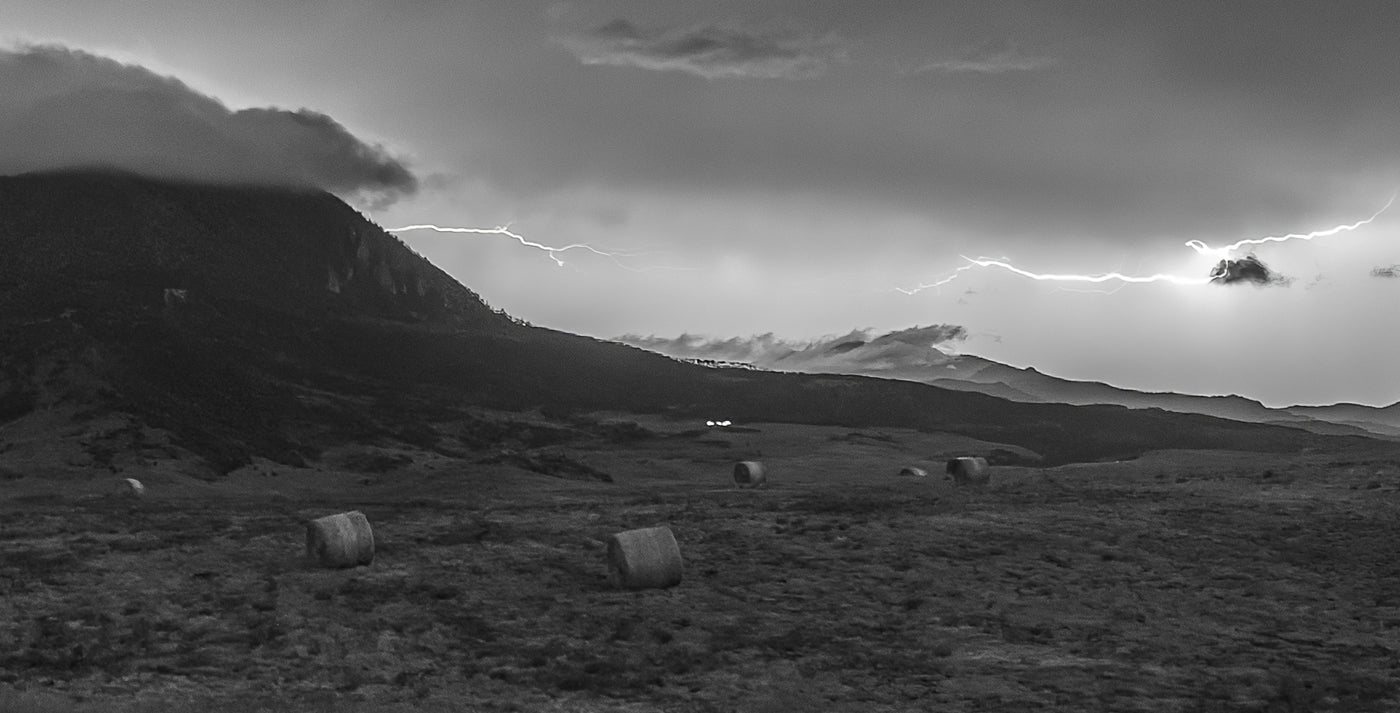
[(907, 355), (250, 321)]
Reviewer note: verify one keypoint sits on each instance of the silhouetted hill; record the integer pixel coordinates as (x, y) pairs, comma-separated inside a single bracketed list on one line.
[(908, 354), (119, 237), (253, 321), (1028, 384)]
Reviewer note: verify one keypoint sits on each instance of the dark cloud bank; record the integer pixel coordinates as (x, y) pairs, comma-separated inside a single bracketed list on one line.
[(708, 51), (63, 108)]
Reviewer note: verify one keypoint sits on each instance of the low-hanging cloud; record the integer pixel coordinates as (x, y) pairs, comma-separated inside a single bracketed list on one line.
[(709, 51), (925, 336), (63, 108), (855, 352)]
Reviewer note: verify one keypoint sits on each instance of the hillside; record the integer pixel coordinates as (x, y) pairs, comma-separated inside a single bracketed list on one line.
[(987, 376), (275, 323), (907, 355)]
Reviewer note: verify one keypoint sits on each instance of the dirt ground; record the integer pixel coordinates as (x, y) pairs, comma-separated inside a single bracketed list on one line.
[(1177, 582)]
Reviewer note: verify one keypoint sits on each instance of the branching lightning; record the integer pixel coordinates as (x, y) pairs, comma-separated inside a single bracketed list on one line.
[(952, 275), (1225, 253), (553, 252)]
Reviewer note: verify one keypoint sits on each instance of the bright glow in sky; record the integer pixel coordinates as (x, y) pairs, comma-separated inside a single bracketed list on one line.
[(785, 166)]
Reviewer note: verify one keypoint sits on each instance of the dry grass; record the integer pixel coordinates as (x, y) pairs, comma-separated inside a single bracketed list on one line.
[(1095, 587)]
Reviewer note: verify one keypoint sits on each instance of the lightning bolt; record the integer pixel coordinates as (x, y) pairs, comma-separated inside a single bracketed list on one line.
[(1221, 253), (552, 251), (1005, 264), (952, 275), (1104, 277), (1224, 253)]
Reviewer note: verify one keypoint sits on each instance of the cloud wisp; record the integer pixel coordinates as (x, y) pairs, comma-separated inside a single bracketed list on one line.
[(63, 108), (1001, 61), (709, 51)]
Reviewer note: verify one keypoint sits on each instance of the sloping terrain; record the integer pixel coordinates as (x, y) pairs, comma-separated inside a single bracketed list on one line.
[(991, 377), (259, 322), (910, 355), (1365, 416), (258, 358)]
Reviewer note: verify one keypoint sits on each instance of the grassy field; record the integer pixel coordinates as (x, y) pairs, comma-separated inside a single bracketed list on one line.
[(1181, 581)]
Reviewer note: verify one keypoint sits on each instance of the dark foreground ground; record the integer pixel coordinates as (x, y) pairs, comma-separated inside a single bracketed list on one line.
[(1177, 582)]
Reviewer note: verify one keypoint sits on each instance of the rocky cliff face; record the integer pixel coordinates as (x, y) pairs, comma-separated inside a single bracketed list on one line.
[(378, 266)]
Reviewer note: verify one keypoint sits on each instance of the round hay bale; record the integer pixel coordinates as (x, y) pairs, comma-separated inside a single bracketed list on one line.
[(915, 471), (339, 541), (132, 488), (969, 471), (644, 559), (749, 474)]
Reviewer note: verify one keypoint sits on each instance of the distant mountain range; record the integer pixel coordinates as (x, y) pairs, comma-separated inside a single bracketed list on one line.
[(277, 323), (918, 354)]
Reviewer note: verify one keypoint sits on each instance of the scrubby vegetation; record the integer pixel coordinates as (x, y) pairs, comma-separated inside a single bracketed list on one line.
[(314, 352), (1073, 590), (262, 358)]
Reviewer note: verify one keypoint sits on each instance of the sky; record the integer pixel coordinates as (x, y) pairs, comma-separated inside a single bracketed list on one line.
[(803, 168)]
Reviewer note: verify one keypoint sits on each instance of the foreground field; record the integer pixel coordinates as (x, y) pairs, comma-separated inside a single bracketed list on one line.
[(1177, 582)]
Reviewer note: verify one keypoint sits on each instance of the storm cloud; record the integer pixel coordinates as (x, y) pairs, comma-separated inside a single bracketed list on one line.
[(1247, 269), (65, 108), (709, 51)]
